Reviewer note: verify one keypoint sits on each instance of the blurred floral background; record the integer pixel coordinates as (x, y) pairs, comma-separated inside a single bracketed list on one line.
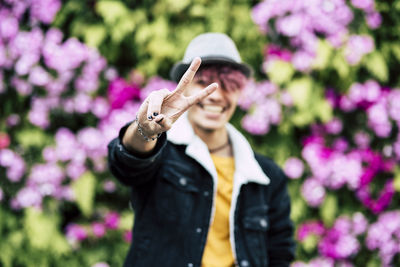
[(324, 104)]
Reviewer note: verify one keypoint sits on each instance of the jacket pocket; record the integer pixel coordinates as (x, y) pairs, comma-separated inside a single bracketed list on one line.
[(256, 225), (176, 191)]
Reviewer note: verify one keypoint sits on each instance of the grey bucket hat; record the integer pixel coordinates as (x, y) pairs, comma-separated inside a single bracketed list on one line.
[(212, 48)]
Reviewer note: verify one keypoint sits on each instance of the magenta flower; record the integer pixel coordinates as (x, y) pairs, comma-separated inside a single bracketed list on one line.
[(119, 92), (128, 236), (111, 220), (109, 186), (310, 228), (98, 229), (76, 233)]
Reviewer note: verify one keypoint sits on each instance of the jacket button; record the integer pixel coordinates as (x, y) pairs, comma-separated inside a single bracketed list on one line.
[(244, 263), (206, 193), (183, 181), (198, 230), (263, 223), (190, 264)]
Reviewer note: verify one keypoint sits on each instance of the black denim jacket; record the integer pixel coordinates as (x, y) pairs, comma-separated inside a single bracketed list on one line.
[(172, 197)]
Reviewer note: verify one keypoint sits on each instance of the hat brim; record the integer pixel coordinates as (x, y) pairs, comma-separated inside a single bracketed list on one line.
[(179, 68)]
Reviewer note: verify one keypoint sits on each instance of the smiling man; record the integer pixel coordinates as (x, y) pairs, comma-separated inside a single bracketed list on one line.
[(201, 196)]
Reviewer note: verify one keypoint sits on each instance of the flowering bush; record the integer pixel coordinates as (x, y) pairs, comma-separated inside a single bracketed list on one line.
[(324, 104), (345, 167)]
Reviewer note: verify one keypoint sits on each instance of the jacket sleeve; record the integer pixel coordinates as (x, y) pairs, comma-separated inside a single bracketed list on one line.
[(281, 248), (281, 245), (130, 169)]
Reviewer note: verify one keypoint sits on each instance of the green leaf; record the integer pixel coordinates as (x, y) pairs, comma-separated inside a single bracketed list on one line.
[(310, 243), (84, 189), (111, 11), (323, 110), (328, 209), (376, 64), (32, 137), (397, 179), (396, 49), (324, 52), (341, 66), (280, 72), (41, 230), (301, 92), (126, 221), (94, 35)]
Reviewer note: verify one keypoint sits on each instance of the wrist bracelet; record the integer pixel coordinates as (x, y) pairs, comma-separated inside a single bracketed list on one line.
[(145, 137)]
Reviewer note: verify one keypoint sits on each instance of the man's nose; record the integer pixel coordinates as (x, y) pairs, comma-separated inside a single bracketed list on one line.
[(217, 94)]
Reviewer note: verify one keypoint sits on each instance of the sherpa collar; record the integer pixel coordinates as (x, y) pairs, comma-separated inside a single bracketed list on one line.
[(247, 168)]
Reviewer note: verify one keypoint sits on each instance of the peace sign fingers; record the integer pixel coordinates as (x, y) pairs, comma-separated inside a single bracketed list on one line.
[(188, 76)]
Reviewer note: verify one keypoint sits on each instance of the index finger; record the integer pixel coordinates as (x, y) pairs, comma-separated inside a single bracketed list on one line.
[(188, 75)]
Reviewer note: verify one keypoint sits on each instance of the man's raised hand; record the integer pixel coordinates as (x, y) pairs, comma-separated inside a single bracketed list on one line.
[(162, 108)]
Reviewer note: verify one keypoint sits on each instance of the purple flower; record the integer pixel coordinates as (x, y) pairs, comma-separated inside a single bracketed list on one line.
[(1, 194), (44, 10), (82, 103), (28, 197), (362, 139), (100, 107), (302, 60), (366, 5), (374, 20), (98, 229), (92, 141), (334, 126), (23, 87), (338, 245), (293, 168), (313, 192), (360, 223), (38, 76), (8, 25), (357, 47), (109, 186), (111, 220), (383, 235), (156, 83), (75, 170)]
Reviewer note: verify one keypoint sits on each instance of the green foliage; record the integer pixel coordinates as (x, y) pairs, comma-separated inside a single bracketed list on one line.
[(42, 232), (84, 189), (329, 209)]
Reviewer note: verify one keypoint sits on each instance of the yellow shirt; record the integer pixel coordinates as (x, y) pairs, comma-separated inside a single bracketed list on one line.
[(218, 250)]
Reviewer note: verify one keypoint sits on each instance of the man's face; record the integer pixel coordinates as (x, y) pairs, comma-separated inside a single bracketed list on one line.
[(213, 112)]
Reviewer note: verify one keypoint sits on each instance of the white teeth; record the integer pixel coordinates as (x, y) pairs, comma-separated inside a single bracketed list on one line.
[(212, 108)]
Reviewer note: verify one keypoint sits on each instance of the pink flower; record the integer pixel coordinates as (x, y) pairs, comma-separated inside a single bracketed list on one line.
[(293, 168), (4, 140), (357, 47), (112, 220)]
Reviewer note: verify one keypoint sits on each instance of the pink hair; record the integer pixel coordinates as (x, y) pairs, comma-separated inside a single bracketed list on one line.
[(228, 77)]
